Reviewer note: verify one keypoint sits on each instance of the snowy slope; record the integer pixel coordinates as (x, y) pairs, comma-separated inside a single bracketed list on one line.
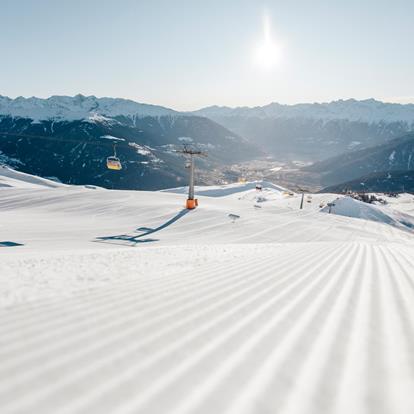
[(17, 179), (225, 190), (349, 207), (403, 202), (78, 107), (123, 302)]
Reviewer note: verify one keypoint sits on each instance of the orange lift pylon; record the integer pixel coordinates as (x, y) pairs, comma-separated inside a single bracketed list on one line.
[(192, 202)]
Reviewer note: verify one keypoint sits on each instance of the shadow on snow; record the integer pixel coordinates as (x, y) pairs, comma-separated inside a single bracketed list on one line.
[(9, 244), (132, 240)]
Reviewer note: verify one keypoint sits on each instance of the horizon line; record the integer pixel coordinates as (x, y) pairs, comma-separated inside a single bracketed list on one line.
[(402, 100)]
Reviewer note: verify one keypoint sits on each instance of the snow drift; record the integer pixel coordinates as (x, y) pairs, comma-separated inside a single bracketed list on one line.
[(349, 207)]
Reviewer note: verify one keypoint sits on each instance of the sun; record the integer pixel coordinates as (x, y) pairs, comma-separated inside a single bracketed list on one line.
[(268, 53)]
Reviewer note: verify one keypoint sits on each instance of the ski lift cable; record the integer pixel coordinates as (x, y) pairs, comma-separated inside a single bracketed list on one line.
[(113, 162), (128, 145), (58, 139)]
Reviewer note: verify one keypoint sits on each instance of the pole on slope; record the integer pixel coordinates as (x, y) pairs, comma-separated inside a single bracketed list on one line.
[(191, 179), (192, 202), (302, 190), (330, 205)]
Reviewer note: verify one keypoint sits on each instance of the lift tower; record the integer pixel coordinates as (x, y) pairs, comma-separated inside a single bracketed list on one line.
[(302, 191), (190, 153)]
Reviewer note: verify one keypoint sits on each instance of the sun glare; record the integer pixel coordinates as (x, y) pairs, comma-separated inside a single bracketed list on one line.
[(268, 52)]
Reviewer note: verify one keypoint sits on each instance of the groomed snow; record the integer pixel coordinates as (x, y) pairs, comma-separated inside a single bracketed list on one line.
[(16, 179), (124, 302), (225, 190), (349, 207)]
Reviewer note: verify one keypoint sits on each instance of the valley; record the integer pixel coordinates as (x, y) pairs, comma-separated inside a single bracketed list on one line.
[(311, 146)]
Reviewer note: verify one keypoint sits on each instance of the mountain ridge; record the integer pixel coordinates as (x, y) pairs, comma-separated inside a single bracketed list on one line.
[(78, 107), (81, 107), (313, 132), (395, 155), (69, 138), (372, 110)]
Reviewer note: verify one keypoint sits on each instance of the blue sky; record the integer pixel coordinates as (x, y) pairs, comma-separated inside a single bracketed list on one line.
[(189, 54)]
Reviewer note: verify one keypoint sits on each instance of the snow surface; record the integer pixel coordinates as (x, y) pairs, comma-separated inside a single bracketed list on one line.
[(15, 179), (124, 302), (79, 107), (347, 206), (225, 190), (368, 110), (403, 203), (112, 138)]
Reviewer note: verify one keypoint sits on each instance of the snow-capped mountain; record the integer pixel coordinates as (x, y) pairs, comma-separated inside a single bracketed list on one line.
[(312, 132), (70, 137), (369, 110), (71, 108)]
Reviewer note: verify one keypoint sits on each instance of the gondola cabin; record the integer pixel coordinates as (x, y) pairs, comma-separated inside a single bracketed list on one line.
[(113, 163)]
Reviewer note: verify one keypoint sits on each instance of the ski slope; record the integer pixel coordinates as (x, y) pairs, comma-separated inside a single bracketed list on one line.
[(124, 302), (349, 207), (10, 178)]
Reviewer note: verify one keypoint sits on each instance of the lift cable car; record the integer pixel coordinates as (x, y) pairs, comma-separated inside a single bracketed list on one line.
[(113, 162)]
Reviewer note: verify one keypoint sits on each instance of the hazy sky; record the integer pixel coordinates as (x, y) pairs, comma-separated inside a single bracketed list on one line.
[(186, 54)]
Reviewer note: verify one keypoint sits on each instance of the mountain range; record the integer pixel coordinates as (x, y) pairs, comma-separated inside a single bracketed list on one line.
[(79, 107), (368, 110), (313, 132), (69, 138)]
